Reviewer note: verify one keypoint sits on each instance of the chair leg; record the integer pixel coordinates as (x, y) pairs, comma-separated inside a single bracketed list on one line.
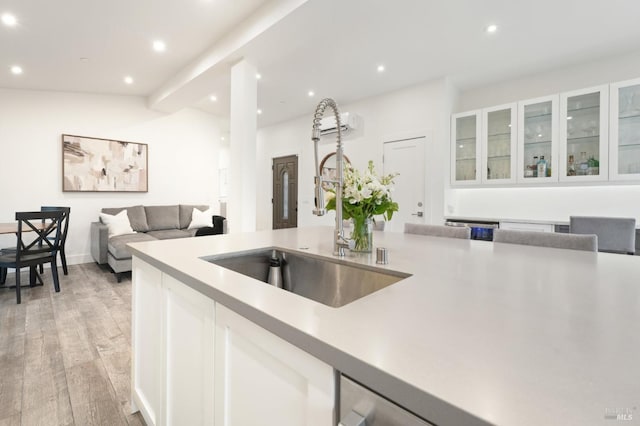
[(18, 299), (3, 275), (41, 269), (63, 258), (54, 272)]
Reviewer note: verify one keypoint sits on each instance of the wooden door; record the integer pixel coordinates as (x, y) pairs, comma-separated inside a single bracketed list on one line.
[(285, 192)]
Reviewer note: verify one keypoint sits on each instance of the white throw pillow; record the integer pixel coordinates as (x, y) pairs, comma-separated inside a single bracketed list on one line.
[(200, 219), (118, 224)]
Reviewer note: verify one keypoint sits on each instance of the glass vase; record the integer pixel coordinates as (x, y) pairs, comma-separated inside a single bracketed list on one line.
[(362, 235)]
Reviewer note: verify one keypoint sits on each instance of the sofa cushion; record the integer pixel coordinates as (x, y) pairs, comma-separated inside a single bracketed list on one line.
[(118, 245), (137, 216), (117, 224), (186, 210), (168, 234), (200, 219), (162, 217)]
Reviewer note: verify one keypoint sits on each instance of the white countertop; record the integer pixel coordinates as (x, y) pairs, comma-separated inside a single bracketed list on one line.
[(488, 219), (480, 333)]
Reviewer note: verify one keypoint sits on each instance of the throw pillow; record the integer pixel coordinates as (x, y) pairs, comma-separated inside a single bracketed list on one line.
[(200, 219), (118, 224)]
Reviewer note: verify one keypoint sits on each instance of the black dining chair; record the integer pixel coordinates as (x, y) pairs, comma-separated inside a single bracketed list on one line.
[(63, 236), (46, 229)]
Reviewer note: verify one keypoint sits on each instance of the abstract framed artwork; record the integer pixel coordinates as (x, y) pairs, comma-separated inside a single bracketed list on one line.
[(103, 165)]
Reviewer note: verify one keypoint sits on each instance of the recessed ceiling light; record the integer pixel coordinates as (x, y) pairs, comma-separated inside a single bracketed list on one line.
[(128, 79), (259, 111), (213, 98), (221, 138), (258, 76), (492, 28), (159, 46), (569, 117), (9, 20), (311, 93), (17, 70), (380, 68)]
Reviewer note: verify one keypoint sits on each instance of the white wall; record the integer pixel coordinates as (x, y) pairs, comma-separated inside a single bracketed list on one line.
[(183, 164), (549, 203), (422, 109)]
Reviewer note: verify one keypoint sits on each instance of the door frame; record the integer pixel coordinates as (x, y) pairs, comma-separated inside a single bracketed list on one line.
[(272, 160)]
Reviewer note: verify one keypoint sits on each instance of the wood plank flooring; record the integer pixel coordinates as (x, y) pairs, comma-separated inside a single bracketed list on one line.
[(65, 358)]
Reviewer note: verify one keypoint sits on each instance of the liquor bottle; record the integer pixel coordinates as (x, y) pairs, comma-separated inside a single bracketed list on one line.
[(534, 166), (542, 167), (584, 165), (571, 168)]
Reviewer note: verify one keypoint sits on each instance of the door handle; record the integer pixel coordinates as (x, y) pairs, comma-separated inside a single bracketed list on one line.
[(353, 419), (419, 214)]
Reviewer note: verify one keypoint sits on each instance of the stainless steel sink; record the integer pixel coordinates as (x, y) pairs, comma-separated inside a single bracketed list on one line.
[(329, 281)]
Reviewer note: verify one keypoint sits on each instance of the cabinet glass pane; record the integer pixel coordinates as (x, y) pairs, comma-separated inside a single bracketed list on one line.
[(629, 130), (466, 148), (537, 138), (499, 144), (583, 135)]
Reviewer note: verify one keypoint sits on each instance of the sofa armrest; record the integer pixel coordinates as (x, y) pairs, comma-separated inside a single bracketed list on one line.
[(218, 223), (99, 242)]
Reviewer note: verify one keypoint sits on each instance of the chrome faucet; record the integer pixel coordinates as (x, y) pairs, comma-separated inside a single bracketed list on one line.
[(340, 242)]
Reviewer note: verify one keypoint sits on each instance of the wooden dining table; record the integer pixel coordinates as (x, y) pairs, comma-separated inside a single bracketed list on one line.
[(12, 227)]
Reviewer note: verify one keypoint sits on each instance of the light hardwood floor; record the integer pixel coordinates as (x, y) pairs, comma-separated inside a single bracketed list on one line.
[(65, 357)]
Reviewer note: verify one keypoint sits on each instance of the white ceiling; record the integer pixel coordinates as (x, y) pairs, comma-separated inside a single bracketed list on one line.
[(329, 46)]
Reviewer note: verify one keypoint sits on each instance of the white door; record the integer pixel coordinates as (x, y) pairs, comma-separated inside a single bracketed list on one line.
[(407, 157)]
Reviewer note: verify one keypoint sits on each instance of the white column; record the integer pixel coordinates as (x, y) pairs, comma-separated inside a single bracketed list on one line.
[(241, 209)]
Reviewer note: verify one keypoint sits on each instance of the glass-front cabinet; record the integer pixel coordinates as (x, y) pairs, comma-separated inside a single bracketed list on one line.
[(624, 142), (498, 144), (538, 140), (584, 135), (465, 148)]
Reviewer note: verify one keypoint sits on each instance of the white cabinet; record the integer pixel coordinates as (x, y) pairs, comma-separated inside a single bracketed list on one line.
[(538, 140), (146, 344), (584, 135), (188, 347), (262, 379), (625, 131), (465, 148), (195, 362), (172, 345), (498, 144)]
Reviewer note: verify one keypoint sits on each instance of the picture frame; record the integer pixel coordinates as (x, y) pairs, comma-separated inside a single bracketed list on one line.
[(104, 165)]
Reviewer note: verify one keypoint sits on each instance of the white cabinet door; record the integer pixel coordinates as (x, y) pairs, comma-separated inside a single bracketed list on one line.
[(146, 347), (537, 138), (465, 148), (188, 341), (624, 151), (262, 379), (498, 144), (584, 135)]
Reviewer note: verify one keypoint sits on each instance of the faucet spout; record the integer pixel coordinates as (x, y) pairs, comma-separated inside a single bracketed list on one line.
[(339, 241)]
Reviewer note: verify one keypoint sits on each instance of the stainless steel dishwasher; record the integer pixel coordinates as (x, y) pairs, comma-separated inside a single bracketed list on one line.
[(360, 406)]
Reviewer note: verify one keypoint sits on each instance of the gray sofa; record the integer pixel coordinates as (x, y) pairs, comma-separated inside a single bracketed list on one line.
[(150, 223)]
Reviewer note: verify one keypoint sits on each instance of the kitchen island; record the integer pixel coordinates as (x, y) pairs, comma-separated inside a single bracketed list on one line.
[(480, 333)]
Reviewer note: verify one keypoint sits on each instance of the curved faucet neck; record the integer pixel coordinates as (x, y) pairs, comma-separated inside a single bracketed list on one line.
[(339, 240)]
